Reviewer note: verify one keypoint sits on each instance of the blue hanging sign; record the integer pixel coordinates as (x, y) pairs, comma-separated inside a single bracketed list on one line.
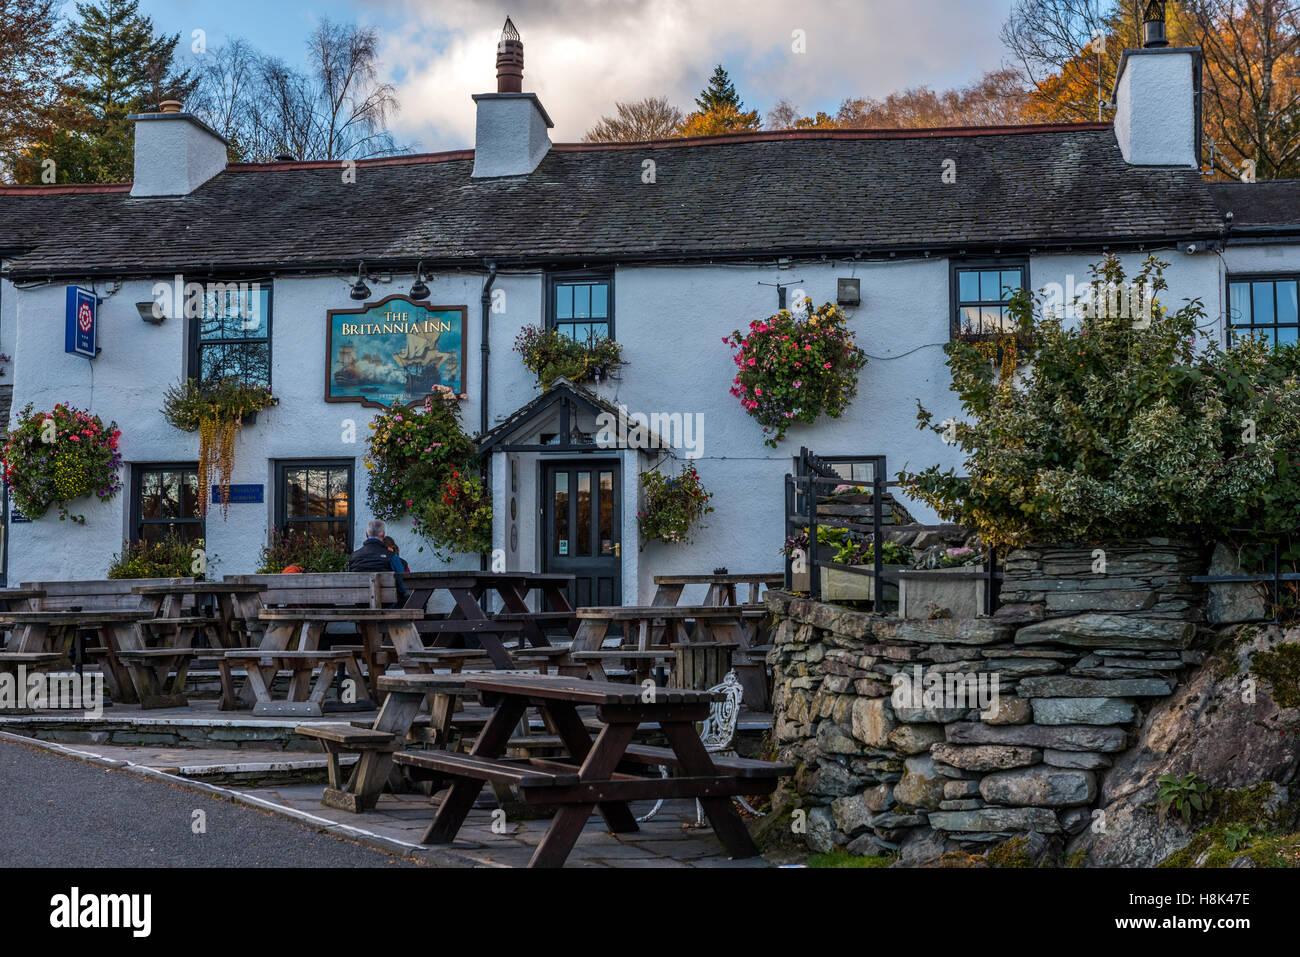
[(240, 494), (81, 323)]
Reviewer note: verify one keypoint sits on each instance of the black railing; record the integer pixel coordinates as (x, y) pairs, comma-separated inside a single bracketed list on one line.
[(1274, 580), (813, 472)]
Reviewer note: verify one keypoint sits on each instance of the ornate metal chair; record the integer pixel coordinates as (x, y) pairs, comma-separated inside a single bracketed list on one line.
[(716, 733)]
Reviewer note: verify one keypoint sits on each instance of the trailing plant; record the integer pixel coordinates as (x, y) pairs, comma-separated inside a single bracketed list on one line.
[(1115, 427), (166, 558), (422, 463), (950, 558), (215, 411), (549, 355), (674, 505), (53, 458), (307, 552), (1186, 795), (794, 369)]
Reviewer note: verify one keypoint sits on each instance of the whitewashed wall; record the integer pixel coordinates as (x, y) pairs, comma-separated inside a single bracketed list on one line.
[(671, 322)]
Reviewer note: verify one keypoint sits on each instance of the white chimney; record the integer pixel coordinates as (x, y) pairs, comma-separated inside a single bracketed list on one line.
[(175, 152), (1157, 106), (510, 136)]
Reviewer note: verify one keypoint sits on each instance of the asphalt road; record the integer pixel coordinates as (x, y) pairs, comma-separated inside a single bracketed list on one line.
[(56, 811)]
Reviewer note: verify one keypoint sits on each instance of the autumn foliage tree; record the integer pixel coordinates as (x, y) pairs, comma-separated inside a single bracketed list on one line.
[(32, 74), (653, 118)]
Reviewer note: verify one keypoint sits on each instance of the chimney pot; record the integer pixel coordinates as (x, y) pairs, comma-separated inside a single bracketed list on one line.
[(1153, 26), (170, 106), (510, 60)]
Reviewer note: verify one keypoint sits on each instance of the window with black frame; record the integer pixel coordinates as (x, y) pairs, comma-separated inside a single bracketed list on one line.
[(980, 295), (233, 336), (315, 500), (1266, 308), (165, 503), (582, 307)]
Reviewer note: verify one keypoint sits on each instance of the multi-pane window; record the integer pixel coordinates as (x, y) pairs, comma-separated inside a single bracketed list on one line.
[(234, 333), (980, 298), (165, 503), (315, 499), (582, 308), (1265, 308)]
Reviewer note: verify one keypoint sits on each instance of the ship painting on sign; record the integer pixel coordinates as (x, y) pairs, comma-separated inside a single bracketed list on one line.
[(396, 352)]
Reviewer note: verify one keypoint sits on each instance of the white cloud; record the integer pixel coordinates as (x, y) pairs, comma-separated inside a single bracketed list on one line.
[(581, 56)]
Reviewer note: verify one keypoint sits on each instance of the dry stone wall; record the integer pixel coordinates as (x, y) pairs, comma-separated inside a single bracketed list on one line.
[(898, 741)]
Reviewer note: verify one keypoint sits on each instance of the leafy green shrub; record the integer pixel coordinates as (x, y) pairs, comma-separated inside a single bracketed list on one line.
[(166, 558), (673, 505), (796, 370), (852, 552), (422, 463), (1117, 428), (53, 458), (549, 354), (306, 552), (1186, 795)]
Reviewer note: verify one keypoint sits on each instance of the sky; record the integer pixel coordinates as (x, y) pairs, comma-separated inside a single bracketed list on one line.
[(581, 56)]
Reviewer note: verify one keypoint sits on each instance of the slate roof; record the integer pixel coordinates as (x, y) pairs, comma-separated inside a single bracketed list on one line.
[(749, 195), (1267, 203), (31, 215)]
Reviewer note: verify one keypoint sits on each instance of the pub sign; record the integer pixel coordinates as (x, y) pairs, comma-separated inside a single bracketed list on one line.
[(81, 322), (394, 352)]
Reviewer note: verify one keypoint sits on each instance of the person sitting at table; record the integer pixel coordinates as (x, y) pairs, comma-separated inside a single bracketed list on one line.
[(374, 556), (392, 547)]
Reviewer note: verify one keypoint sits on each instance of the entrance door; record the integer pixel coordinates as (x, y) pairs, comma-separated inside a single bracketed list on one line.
[(581, 521)]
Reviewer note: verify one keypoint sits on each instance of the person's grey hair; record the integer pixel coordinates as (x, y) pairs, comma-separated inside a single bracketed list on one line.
[(375, 529)]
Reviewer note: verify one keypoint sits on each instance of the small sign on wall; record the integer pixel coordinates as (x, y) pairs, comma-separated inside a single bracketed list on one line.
[(18, 518), (81, 322), (240, 494)]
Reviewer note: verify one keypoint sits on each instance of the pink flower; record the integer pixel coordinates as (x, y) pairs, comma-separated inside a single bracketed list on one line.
[(826, 366), (758, 392), (751, 363)]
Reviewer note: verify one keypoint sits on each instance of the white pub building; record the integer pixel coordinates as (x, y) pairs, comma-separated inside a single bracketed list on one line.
[(665, 246)]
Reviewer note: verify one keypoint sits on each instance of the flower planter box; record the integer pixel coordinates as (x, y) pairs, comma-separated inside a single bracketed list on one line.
[(839, 585), (963, 597)]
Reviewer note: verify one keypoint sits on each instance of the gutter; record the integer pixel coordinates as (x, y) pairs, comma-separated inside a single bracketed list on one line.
[(704, 257)]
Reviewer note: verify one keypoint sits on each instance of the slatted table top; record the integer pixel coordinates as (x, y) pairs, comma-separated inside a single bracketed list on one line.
[(200, 588), (637, 612), (73, 617), (341, 614), (488, 578), (719, 579), (13, 594), (580, 691)]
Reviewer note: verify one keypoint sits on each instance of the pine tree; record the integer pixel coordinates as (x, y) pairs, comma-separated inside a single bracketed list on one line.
[(120, 66), (719, 110)]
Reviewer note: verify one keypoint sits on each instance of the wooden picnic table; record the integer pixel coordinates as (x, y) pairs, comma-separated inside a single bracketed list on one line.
[(20, 599), (306, 626), (588, 778), (468, 619), (235, 602), (46, 638), (722, 588)]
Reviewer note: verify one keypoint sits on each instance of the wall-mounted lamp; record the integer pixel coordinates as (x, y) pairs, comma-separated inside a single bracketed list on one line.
[(849, 292), (151, 312), (360, 291), (419, 290)]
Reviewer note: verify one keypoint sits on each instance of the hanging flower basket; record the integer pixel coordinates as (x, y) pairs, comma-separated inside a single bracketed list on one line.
[(53, 458), (422, 464), (794, 369), (549, 354), (674, 505), (216, 412)]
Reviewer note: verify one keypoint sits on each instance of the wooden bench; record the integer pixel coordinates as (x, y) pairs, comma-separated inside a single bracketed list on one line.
[(262, 667), (639, 663), (338, 739), (159, 674)]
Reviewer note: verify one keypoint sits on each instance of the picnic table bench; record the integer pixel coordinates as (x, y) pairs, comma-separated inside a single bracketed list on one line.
[(46, 633), (234, 604), (588, 779), (306, 626)]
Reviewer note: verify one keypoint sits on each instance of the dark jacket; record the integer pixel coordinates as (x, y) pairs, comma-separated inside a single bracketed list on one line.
[(372, 556)]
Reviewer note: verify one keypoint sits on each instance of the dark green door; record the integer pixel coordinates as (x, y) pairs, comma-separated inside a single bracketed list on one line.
[(581, 523)]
